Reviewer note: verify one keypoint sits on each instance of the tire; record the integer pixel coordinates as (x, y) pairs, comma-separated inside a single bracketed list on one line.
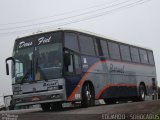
[(12, 106), (142, 93), (135, 99), (56, 106), (110, 101), (88, 96), (46, 107)]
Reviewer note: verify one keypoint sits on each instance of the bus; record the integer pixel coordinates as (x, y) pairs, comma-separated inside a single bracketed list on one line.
[(66, 65)]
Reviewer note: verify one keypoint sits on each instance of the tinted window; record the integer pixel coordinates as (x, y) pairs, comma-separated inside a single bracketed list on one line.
[(49, 61), (73, 65), (69, 65), (125, 53), (114, 50), (150, 57), (135, 55), (77, 64), (143, 56), (86, 45), (71, 41)]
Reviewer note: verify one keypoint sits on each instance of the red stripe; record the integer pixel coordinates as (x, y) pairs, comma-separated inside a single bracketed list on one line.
[(102, 90), (82, 80), (113, 85)]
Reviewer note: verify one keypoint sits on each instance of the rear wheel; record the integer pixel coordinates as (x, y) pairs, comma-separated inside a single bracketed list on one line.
[(110, 101), (46, 106), (88, 96), (142, 92)]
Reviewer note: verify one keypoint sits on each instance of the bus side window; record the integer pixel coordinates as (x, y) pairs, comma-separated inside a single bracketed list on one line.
[(135, 55), (143, 56), (114, 50), (125, 53), (68, 62), (150, 57), (71, 63), (86, 45), (71, 41), (77, 64)]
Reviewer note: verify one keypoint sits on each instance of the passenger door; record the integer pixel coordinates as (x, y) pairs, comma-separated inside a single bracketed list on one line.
[(72, 70)]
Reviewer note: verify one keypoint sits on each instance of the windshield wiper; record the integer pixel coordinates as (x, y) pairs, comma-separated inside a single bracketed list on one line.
[(23, 78)]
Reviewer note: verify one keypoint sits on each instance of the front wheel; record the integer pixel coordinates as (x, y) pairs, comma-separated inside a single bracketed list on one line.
[(88, 96), (56, 106), (12, 106), (46, 106)]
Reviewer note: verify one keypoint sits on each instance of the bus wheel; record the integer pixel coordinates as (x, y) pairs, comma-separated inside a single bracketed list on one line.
[(142, 93), (88, 96), (110, 101), (12, 106), (56, 106), (46, 106)]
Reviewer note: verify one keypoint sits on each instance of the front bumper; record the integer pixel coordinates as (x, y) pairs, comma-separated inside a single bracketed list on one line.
[(39, 97)]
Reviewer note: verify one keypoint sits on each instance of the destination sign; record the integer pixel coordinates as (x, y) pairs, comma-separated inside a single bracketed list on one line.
[(37, 40)]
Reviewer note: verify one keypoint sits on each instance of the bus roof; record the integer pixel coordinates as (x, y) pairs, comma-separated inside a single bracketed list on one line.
[(81, 31)]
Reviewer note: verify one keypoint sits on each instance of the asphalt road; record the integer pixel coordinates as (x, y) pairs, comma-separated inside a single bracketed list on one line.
[(130, 110)]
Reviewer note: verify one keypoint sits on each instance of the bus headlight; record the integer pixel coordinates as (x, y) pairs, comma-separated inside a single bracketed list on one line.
[(55, 96), (16, 92), (52, 88), (18, 100)]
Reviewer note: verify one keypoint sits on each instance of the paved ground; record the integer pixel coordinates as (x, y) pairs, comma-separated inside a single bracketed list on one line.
[(115, 111)]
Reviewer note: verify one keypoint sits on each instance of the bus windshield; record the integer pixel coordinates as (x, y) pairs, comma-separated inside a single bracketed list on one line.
[(48, 61), (42, 62), (23, 64)]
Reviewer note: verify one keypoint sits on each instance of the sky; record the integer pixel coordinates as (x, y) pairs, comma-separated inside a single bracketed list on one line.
[(139, 24)]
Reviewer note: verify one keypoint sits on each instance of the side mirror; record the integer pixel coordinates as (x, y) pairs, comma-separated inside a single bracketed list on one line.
[(67, 59), (7, 69), (7, 66)]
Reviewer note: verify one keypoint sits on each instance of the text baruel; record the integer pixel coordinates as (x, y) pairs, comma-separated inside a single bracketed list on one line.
[(50, 84), (116, 69)]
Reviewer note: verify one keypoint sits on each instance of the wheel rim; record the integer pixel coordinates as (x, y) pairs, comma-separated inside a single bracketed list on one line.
[(142, 94), (88, 93)]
